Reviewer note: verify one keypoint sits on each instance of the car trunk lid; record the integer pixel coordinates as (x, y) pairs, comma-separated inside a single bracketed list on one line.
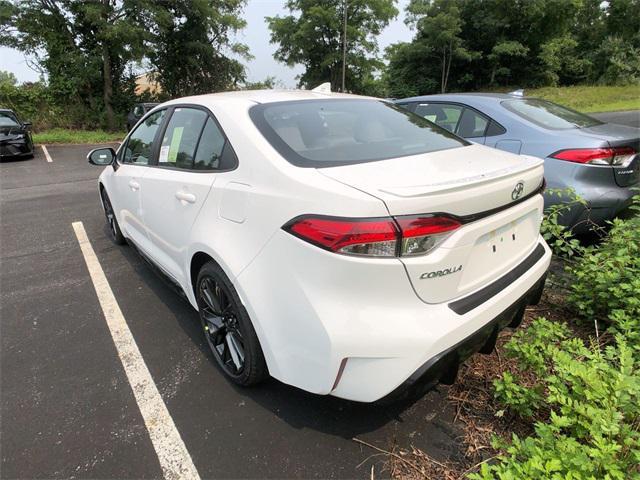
[(618, 136), (491, 192)]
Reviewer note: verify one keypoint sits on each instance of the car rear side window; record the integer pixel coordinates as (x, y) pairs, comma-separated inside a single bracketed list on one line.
[(140, 142), (549, 115), (459, 119), (447, 116), (325, 133), (180, 138), (210, 148)]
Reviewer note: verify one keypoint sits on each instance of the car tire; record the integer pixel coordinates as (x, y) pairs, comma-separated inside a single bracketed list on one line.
[(112, 222), (227, 328)]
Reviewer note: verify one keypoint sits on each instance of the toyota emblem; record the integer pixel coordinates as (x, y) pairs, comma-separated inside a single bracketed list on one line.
[(517, 191)]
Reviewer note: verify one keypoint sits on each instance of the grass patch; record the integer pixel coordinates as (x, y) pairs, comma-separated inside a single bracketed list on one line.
[(591, 98), (63, 135)]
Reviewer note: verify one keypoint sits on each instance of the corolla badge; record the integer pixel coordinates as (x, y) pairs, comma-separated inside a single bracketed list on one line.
[(517, 191), (440, 273)]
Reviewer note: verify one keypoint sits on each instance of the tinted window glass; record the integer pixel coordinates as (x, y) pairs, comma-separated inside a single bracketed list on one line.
[(181, 138), (139, 145), (549, 115), (8, 119), (445, 115), (472, 124), (324, 133), (209, 148), (494, 129)]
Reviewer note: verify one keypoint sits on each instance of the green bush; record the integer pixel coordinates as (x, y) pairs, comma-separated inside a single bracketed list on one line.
[(584, 398), (586, 401), (559, 237), (606, 284)]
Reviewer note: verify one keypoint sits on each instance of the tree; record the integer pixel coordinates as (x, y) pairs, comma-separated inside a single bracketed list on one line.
[(7, 78), (190, 44), (84, 46), (313, 37), (439, 26), (502, 54)]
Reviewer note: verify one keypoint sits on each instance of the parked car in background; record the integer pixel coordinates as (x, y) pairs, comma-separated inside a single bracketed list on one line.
[(338, 243), (598, 160), (137, 112), (15, 136)]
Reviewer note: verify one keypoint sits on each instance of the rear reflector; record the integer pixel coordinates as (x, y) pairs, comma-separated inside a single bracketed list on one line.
[(377, 237), (619, 156)]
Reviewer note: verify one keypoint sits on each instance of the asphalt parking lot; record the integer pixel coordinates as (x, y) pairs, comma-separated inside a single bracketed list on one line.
[(67, 407)]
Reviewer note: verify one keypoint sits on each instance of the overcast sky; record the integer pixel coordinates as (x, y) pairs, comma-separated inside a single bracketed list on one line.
[(256, 35)]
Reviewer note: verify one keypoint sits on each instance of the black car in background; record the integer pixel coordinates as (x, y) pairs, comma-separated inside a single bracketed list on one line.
[(15, 136), (136, 113)]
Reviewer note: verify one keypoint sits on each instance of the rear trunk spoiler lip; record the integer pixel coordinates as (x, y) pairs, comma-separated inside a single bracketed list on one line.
[(472, 217)]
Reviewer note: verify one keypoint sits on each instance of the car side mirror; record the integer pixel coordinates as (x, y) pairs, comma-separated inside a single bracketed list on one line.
[(101, 156), (27, 124)]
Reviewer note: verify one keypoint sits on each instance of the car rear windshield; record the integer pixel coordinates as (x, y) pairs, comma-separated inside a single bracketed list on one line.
[(549, 115), (326, 133)]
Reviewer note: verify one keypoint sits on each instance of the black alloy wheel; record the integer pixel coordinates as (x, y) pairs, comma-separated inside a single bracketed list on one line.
[(112, 221), (227, 328)]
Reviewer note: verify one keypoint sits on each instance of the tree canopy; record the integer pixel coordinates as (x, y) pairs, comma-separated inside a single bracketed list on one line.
[(90, 48), (312, 36), (471, 44)]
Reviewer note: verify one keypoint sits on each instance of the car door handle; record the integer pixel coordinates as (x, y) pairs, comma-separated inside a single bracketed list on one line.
[(185, 197), (135, 186)]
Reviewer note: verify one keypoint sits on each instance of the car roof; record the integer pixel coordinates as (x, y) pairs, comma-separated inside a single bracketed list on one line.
[(6, 110), (478, 96), (264, 96)]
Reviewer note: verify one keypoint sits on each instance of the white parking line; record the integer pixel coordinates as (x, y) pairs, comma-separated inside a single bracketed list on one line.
[(174, 458), (46, 153)]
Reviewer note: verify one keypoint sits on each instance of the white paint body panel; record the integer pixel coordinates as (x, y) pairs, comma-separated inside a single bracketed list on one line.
[(312, 308)]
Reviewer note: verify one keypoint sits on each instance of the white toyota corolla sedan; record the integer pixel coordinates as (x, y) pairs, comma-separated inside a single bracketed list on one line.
[(337, 243)]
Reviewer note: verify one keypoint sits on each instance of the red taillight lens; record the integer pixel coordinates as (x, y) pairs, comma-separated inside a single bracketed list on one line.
[(422, 233), (373, 236), (597, 156), (376, 237)]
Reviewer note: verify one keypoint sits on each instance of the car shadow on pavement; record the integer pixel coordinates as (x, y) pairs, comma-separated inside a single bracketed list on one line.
[(425, 422)]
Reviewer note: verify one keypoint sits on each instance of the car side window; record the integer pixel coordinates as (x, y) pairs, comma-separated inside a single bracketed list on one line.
[(472, 124), (444, 115), (210, 148), (180, 138), (139, 145)]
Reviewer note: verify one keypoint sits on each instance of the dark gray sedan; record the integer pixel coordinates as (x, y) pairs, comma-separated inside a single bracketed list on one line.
[(15, 136), (598, 160)]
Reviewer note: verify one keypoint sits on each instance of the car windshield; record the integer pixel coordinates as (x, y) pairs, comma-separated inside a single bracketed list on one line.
[(325, 133), (8, 119), (549, 115)]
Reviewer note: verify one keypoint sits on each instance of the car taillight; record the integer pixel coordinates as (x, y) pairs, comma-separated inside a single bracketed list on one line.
[(618, 156), (422, 233), (375, 237)]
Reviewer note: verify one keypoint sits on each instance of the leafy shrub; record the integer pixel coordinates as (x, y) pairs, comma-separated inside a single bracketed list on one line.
[(607, 281), (587, 402), (559, 237)]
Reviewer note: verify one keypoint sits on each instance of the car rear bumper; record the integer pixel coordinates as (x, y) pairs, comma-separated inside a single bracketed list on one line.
[(443, 368), (354, 328)]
